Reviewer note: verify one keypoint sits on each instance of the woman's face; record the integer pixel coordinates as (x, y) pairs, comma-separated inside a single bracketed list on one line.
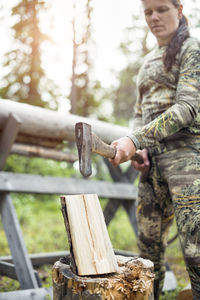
[(162, 18)]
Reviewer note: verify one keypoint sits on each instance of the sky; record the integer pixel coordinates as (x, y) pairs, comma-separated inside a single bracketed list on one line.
[(110, 18)]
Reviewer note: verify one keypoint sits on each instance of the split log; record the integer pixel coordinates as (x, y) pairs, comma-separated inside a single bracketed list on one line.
[(106, 276), (90, 245), (43, 152), (133, 281), (43, 126)]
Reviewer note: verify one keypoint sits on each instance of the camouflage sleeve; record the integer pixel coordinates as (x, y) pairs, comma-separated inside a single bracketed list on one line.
[(183, 113), (137, 120)]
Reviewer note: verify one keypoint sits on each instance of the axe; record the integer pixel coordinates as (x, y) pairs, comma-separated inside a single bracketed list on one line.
[(88, 142)]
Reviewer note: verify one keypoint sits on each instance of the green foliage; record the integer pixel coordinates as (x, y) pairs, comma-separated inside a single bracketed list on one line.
[(171, 295), (7, 284), (21, 164), (121, 232), (124, 96), (134, 47)]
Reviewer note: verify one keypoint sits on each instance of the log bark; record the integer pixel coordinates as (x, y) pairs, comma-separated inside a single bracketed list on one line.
[(38, 141), (43, 152), (133, 281), (45, 127), (90, 245)]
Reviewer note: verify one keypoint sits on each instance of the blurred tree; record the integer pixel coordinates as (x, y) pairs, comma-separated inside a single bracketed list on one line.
[(25, 80), (83, 88), (134, 47), (194, 17)]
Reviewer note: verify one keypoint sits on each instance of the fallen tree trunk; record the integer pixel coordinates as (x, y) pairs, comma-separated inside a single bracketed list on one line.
[(133, 281), (38, 141), (43, 126), (36, 151)]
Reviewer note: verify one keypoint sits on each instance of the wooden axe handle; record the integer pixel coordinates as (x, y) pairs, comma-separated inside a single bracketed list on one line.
[(98, 146)]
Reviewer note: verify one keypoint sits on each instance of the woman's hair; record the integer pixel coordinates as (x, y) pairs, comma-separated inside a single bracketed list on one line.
[(174, 47)]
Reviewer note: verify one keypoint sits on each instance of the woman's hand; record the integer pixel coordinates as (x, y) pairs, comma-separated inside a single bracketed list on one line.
[(125, 149), (144, 167)]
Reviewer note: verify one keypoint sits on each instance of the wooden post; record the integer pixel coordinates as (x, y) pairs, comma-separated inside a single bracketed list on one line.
[(133, 281), (22, 263)]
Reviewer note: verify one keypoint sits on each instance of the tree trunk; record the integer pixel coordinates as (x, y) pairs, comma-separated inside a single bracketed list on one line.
[(43, 152), (133, 281)]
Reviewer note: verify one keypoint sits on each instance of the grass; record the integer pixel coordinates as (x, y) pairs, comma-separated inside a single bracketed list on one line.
[(43, 229)]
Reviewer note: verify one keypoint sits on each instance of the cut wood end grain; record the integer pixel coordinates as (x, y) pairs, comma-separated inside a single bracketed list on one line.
[(91, 248)]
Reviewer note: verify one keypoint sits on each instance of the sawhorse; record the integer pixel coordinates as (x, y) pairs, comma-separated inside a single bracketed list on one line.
[(27, 277)]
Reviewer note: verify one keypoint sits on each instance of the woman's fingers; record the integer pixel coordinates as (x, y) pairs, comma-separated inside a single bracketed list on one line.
[(125, 149), (144, 167)]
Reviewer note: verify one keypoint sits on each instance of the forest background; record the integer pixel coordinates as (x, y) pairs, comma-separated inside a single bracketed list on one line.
[(79, 57)]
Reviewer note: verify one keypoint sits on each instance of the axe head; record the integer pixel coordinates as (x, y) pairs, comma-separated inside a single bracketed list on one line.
[(83, 135)]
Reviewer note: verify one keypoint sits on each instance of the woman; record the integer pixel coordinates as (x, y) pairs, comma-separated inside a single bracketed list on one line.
[(167, 135)]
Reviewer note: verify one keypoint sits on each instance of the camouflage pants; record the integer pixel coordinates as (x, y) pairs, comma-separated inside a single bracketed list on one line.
[(172, 188)]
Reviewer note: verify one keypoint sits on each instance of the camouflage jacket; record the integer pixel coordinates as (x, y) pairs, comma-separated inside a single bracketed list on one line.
[(168, 103)]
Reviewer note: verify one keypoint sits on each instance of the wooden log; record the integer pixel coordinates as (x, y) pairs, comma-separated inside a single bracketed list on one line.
[(90, 245), (39, 141), (42, 124), (37, 151), (7, 138), (133, 281), (185, 294)]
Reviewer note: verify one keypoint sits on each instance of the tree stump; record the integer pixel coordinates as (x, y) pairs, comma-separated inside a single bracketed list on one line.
[(133, 281)]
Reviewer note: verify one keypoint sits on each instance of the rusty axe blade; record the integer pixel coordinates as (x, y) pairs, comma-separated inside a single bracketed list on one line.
[(88, 142), (83, 135)]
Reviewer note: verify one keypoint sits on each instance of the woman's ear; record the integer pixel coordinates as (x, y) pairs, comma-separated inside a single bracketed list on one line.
[(180, 11)]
